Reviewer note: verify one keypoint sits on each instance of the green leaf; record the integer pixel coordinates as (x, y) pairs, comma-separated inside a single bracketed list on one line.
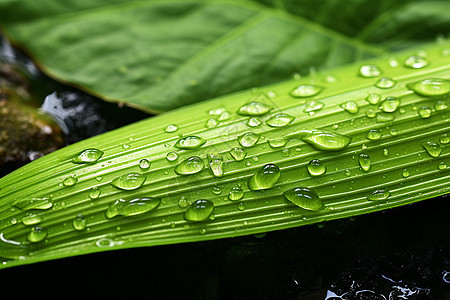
[(160, 55), (359, 145)]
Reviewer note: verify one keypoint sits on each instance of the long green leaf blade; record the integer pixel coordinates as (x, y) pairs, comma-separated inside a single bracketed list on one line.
[(407, 143)]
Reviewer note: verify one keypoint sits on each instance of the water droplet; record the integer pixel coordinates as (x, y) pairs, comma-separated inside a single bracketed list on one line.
[(305, 198), (88, 156), (442, 165), (374, 134), (265, 178), (211, 123), (444, 139), (371, 114), (125, 146), (216, 190), (238, 153), (393, 62), (132, 207), (144, 164), (31, 219), (277, 143), (34, 203), (385, 152), (432, 148), (326, 141), (306, 90), (190, 166), (241, 206), (350, 107), (189, 142), (369, 71), (224, 116), (280, 120), (390, 104), (183, 202), (254, 109), (37, 234), (70, 181), (130, 181), (440, 105), (384, 117), (248, 139), (385, 83), (393, 131), (172, 156), (94, 192), (200, 210), (216, 164), (104, 243), (424, 112), (405, 173), (236, 193), (379, 195), (415, 62), (216, 111), (79, 222), (253, 122), (316, 167), (430, 87), (171, 128), (364, 162), (347, 172), (12, 249), (313, 106), (373, 98)]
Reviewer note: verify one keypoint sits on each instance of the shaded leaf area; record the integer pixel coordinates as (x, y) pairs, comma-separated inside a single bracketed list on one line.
[(160, 55)]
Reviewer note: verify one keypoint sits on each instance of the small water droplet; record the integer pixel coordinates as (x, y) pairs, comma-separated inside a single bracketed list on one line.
[(424, 112), (79, 222), (248, 139), (130, 181), (347, 172), (253, 122), (171, 128), (393, 62), (313, 106), (183, 202), (440, 105), (405, 173), (88, 156), (373, 98), (211, 123), (415, 62), (70, 181), (254, 109), (306, 90), (364, 162), (11, 249), (385, 152), (350, 107), (236, 193), (325, 140), (385, 83), (316, 167), (241, 206), (280, 120), (216, 111), (104, 243), (432, 148), (384, 117), (34, 203), (37, 234), (374, 134), (191, 165), (172, 156), (216, 190), (390, 104), (132, 207), (265, 178), (216, 164), (430, 87), (379, 195), (144, 164), (371, 114), (369, 71), (305, 198), (444, 139), (393, 131), (238, 153), (125, 146), (277, 143), (199, 210), (190, 142), (31, 219), (442, 165), (224, 116), (94, 192)]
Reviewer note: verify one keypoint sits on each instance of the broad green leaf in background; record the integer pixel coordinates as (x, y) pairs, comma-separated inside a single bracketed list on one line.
[(328, 146)]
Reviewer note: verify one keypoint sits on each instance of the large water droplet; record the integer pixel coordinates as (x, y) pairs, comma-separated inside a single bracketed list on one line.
[(190, 142), (430, 87), (432, 148), (369, 71), (37, 234), (199, 210), (171, 128), (254, 109), (379, 195), (132, 207), (88, 156), (238, 153), (316, 167), (236, 193), (306, 90), (305, 198), (70, 181), (144, 164), (248, 139), (31, 219), (34, 203), (364, 162), (424, 112), (12, 249), (313, 106), (325, 140), (385, 83), (79, 222), (216, 164), (373, 98), (374, 134), (390, 104), (265, 178), (280, 120), (350, 107), (415, 62), (130, 181), (190, 166)]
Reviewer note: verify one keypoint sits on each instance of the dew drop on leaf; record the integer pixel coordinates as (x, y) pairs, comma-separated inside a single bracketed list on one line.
[(94, 192), (350, 107), (305, 198), (369, 71), (415, 62), (190, 166), (306, 90), (373, 98), (379, 195), (37, 234), (199, 210), (238, 153), (216, 164), (374, 134), (88, 156), (211, 123), (385, 83), (444, 139), (316, 167), (241, 206), (79, 222), (171, 128), (11, 249), (224, 116), (254, 109), (144, 164), (172, 156), (132, 207), (31, 219), (190, 142), (424, 112), (384, 117), (277, 143), (248, 139), (216, 190), (265, 178), (325, 140), (390, 104), (130, 181), (440, 105), (313, 106), (280, 120), (442, 165), (236, 193), (405, 173), (364, 162), (216, 111), (34, 203), (253, 122), (70, 181), (432, 148), (430, 87), (183, 202)]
